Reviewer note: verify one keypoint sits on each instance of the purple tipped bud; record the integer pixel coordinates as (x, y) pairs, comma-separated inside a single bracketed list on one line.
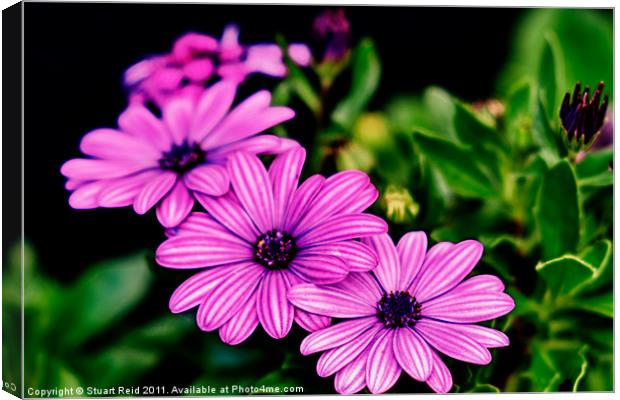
[(332, 30), (583, 117)]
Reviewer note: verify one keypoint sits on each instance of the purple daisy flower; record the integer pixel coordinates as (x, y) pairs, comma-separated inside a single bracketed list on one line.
[(149, 161), (196, 58), (265, 236), (412, 306)]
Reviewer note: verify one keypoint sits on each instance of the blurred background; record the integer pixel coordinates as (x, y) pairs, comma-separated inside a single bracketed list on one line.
[(97, 304)]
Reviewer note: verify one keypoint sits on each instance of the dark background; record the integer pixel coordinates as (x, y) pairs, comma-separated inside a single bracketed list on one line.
[(75, 55)]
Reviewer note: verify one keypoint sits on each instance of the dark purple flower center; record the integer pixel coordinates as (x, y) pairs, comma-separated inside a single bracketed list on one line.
[(399, 309), (182, 158), (275, 249)]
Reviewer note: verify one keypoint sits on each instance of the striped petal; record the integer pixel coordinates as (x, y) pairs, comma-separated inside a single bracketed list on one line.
[(363, 286), (85, 169), (177, 115), (241, 325), (85, 196), (227, 211), (382, 369), (388, 270), (488, 337), (440, 379), (261, 144), (411, 250), (413, 354), (336, 359), (336, 335), (177, 205), (154, 191), (358, 256), (183, 252), (284, 174), (352, 378), (198, 224), (301, 200), (275, 313), (208, 179), (337, 192), (452, 342), (122, 192), (194, 290), (253, 188), (329, 301), (341, 228), (465, 304), (309, 321), (364, 199), (229, 297), (448, 269), (319, 269)]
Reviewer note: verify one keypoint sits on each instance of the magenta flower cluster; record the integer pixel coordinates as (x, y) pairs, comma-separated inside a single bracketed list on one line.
[(268, 249)]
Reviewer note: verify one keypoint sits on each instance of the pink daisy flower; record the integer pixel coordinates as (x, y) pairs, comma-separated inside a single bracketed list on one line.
[(265, 236), (149, 162), (196, 58), (401, 315)]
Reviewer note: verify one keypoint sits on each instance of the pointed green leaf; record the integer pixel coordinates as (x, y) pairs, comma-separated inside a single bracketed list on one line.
[(552, 77), (473, 132), (557, 211), (457, 165), (365, 80), (565, 275)]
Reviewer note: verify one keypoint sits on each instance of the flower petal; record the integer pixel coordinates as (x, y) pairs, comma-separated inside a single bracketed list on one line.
[(85, 197), (184, 252), (154, 191), (309, 321), (228, 212), (253, 188), (466, 303), (138, 121), (177, 115), (411, 250), (123, 191), (275, 313), (194, 290), (413, 354), (284, 174), (382, 369), (319, 269), (241, 325), (229, 297), (352, 378), (358, 256), (452, 342), (388, 270), (364, 199), (301, 200), (328, 301), (208, 179), (336, 335), (177, 205), (338, 191), (250, 117), (212, 107), (440, 379), (488, 337), (343, 227), (199, 223), (363, 286), (85, 169), (261, 144), (448, 269), (111, 144), (337, 358)]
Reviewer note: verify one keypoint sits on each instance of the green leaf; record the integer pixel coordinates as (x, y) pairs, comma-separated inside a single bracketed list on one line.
[(365, 80), (102, 296), (600, 257), (565, 275), (473, 132), (552, 78), (602, 304), (557, 211), (484, 388), (593, 171), (457, 165)]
